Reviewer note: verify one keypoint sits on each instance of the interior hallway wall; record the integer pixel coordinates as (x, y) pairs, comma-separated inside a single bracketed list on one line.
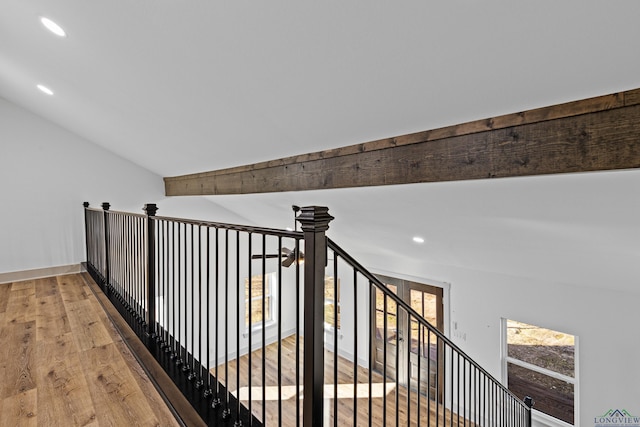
[(47, 172)]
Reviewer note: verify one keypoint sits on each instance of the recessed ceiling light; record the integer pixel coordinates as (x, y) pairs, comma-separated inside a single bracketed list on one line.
[(45, 89), (53, 27), (418, 239)]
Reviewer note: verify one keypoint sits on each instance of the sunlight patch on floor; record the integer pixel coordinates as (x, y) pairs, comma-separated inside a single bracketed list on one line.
[(345, 391)]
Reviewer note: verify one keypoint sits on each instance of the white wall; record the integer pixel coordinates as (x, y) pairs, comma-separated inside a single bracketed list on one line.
[(47, 172)]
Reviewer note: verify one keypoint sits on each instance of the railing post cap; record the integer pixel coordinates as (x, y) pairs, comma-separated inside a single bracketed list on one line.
[(150, 209), (528, 400), (314, 218), (85, 204), (106, 206)]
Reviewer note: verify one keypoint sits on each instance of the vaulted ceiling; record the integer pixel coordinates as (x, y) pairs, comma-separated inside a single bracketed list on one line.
[(184, 87)]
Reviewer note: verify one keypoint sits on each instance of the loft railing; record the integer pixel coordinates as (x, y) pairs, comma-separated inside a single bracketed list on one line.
[(261, 326)]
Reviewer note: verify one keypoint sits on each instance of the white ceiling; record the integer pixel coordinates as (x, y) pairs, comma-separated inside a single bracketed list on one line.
[(183, 87)]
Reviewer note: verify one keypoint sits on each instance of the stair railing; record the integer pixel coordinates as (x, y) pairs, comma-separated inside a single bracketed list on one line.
[(425, 379)]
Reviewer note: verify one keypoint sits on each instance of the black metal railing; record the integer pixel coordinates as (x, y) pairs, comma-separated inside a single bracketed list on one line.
[(244, 319), (424, 378)]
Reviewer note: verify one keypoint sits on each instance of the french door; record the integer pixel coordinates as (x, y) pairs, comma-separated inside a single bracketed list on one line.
[(421, 353)]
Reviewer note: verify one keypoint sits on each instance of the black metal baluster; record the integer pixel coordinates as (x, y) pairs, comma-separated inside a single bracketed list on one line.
[(372, 327), (458, 389), (297, 264), (215, 403), (494, 411), (208, 392), (188, 239), (121, 259), (250, 328), (279, 331), (335, 339), (438, 381), (128, 256), (428, 409), (131, 253), (486, 403), (419, 352), (384, 357), (408, 375), (238, 422), (176, 279), (116, 257), (178, 360), (408, 339), (189, 360), (464, 392), (264, 327), (451, 377), (160, 281), (227, 410), (121, 265), (397, 367), (478, 396), (355, 346), (198, 364), (183, 307)]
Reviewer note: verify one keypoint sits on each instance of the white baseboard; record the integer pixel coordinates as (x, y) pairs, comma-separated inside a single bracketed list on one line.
[(39, 273)]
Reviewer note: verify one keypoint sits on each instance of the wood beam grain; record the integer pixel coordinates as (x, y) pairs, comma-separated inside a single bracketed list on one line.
[(595, 134)]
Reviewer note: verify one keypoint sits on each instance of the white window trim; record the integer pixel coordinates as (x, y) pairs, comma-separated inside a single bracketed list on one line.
[(541, 370), (328, 326), (542, 418), (256, 327)]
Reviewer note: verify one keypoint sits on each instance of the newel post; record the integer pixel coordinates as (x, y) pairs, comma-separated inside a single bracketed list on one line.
[(528, 400), (107, 279), (315, 222), (86, 232), (150, 210)]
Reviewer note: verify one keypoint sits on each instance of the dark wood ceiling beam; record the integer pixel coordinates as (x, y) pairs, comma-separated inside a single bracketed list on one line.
[(595, 134)]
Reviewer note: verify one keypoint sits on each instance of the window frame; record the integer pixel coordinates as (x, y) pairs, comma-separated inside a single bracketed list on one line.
[(271, 280), (536, 414), (335, 302)]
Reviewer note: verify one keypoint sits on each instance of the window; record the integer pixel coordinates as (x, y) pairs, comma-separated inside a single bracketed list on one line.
[(392, 315), (331, 302), (541, 363), (255, 295)]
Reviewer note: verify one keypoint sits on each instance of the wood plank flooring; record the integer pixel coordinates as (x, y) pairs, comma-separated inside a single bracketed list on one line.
[(431, 413), (62, 363)]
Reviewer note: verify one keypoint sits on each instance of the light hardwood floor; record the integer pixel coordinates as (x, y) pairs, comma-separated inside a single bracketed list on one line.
[(62, 362), (431, 414)]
